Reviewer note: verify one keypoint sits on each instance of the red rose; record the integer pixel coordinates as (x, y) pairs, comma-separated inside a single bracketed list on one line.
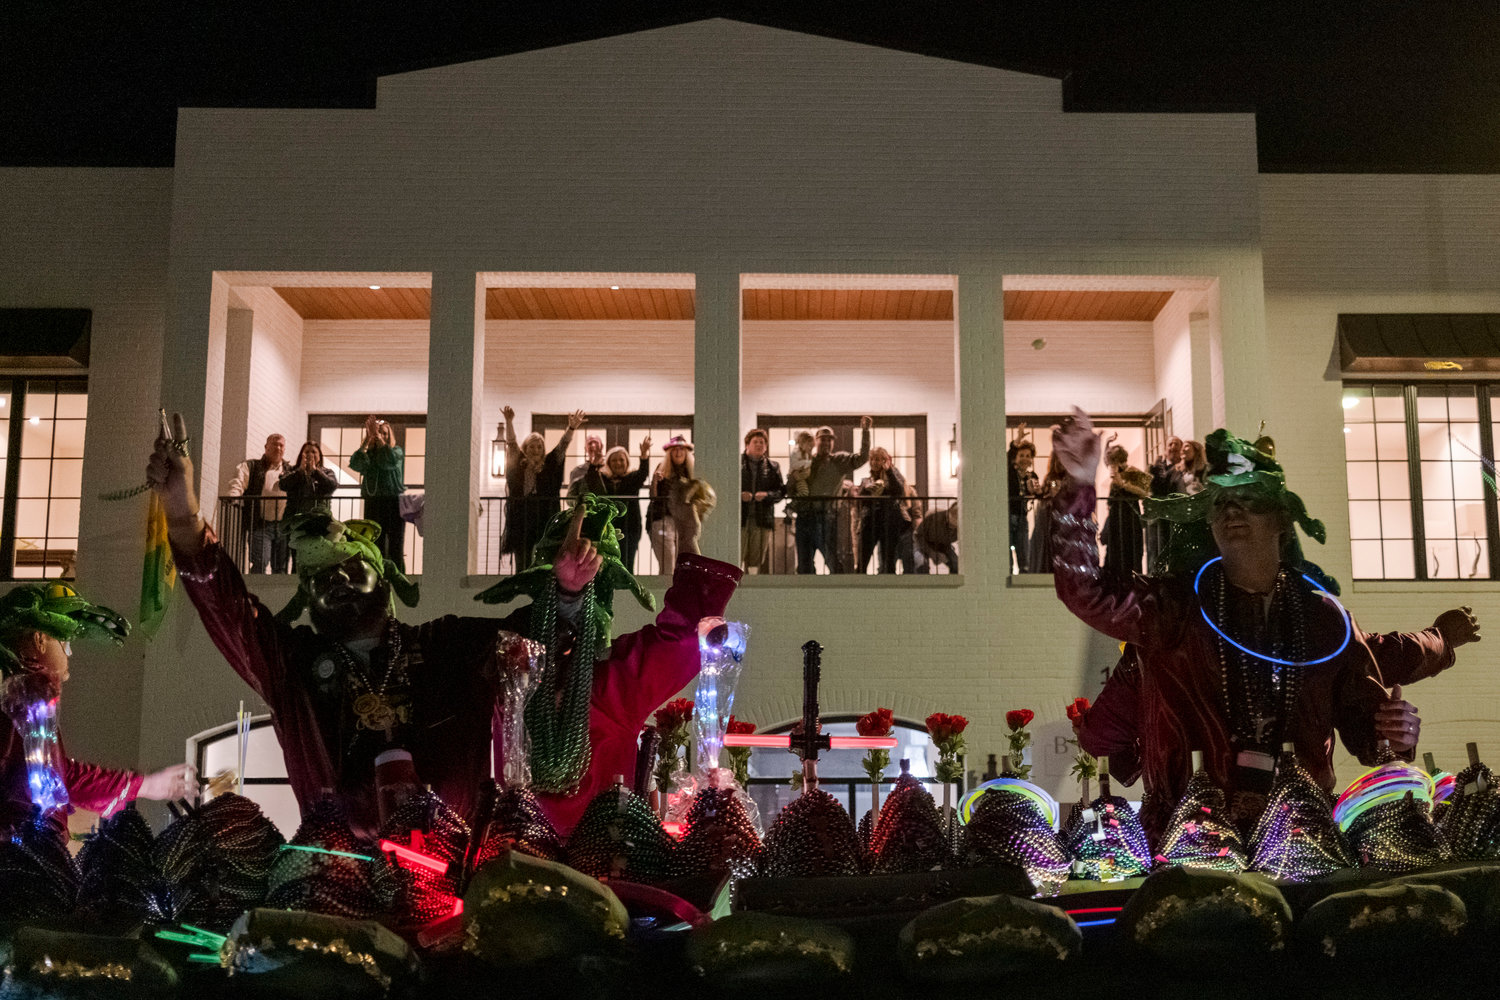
[(1020, 718), (876, 723), (674, 714), (943, 727), (1077, 709), (736, 726)]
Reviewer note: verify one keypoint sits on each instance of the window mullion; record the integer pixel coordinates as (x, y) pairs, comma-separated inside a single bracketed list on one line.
[(1414, 479), (1487, 450), (12, 481)]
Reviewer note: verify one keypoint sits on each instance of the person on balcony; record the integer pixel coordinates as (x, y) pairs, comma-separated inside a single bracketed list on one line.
[(883, 514), (260, 514), (761, 487), (533, 485), (310, 484), (381, 464), (818, 528), (586, 475), (624, 487)]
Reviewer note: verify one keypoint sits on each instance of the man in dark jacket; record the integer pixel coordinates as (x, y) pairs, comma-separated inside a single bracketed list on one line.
[(760, 487), (260, 520)]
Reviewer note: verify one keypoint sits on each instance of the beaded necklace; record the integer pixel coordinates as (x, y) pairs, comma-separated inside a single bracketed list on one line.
[(560, 750), (1258, 692), (374, 708)]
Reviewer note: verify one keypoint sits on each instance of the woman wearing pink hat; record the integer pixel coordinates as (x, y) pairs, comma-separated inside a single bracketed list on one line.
[(679, 502)]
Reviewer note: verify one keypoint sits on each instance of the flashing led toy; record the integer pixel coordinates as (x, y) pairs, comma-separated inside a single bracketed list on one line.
[(44, 778), (1348, 623), (721, 657), (809, 742)]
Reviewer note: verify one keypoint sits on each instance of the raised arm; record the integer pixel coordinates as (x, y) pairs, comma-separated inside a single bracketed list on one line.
[(863, 455), (1120, 610), (559, 453), (1407, 657), (650, 665), (241, 627)]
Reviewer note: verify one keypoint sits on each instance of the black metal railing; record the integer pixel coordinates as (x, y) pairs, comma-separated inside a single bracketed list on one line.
[(848, 534), (252, 528)]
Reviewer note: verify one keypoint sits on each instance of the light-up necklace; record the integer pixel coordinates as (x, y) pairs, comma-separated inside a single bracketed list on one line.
[(1348, 623)]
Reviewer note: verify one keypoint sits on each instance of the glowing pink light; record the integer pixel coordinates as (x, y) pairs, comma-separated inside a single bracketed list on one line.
[(784, 741), (415, 857), (756, 740), (674, 829), (1095, 909)]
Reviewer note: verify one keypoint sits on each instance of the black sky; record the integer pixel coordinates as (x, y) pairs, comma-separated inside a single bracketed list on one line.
[(1379, 85)]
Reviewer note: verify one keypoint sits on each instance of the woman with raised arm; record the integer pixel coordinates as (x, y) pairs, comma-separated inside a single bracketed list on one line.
[(533, 485), (381, 464)]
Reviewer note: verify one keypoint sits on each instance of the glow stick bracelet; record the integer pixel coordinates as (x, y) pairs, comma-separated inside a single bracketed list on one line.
[(415, 857), (1018, 786), (1348, 623), (1442, 786), (324, 850)]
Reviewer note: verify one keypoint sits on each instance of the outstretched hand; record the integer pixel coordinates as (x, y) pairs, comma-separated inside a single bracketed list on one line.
[(1077, 447), (577, 419), (1458, 627), (577, 562), (1396, 720), (646, 447), (168, 784)]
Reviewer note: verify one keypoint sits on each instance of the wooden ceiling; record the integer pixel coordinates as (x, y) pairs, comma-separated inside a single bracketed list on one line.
[(588, 303), (831, 304), (848, 303), (359, 302), (1081, 306)]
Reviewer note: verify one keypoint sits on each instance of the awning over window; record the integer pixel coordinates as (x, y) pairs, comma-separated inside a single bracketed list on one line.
[(45, 338), (1419, 342)]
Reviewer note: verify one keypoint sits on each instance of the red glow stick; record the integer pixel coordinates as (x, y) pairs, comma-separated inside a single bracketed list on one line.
[(415, 857), (784, 741)]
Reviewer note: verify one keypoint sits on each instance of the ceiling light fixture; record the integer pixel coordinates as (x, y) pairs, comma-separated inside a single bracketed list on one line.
[(374, 288), (614, 288)]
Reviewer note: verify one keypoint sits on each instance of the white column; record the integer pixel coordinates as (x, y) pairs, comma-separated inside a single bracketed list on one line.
[(981, 430), (716, 408), (455, 376), (1201, 353)]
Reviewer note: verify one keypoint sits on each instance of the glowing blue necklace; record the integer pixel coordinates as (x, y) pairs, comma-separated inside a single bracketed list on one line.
[(1348, 623)]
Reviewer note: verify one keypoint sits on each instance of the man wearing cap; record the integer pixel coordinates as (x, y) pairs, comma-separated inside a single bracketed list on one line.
[(1240, 646), (38, 623), (817, 527)]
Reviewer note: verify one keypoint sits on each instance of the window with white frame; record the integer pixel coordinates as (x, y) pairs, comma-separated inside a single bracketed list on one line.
[(1420, 461)]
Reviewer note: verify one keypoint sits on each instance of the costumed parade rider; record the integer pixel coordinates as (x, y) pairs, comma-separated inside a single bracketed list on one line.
[(1238, 646), (38, 624), (359, 682), (586, 717)]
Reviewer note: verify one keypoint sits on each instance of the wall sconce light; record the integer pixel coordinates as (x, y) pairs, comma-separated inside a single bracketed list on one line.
[(953, 454), (497, 452)]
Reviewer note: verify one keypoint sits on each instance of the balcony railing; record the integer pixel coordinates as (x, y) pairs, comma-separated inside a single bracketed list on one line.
[(854, 535), (243, 526), (840, 535)]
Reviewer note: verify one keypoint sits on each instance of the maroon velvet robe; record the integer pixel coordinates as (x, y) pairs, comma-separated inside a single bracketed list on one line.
[(452, 686), (1168, 704)]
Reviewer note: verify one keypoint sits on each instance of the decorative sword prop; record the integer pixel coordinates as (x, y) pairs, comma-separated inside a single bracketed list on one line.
[(809, 742)]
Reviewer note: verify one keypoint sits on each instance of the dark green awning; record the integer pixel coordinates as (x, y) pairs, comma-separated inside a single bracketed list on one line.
[(1419, 342)]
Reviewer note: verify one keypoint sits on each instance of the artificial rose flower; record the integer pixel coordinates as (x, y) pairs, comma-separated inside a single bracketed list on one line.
[(674, 714), (943, 727), (877, 723), (1077, 709), (1020, 718), (737, 726)]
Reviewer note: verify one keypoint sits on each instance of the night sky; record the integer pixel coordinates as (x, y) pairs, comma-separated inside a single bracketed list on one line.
[(1380, 85)]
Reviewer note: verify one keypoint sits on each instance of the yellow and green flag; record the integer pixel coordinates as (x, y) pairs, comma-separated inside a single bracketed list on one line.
[(159, 574)]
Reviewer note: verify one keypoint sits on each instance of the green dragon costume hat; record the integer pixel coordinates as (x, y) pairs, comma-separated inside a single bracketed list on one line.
[(320, 540), (599, 514), (558, 726), (54, 609), (1235, 466)]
